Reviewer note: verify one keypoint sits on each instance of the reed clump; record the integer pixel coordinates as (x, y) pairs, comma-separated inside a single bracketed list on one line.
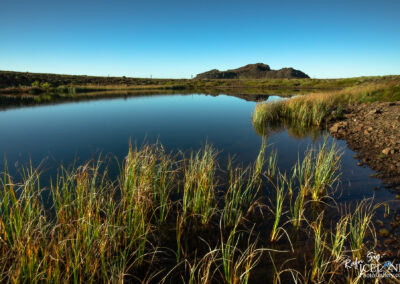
[(319, 170), (199, 185), (314, 109), (173, 218)]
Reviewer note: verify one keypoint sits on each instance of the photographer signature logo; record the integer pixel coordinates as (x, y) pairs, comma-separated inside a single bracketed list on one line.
[(373, 267)]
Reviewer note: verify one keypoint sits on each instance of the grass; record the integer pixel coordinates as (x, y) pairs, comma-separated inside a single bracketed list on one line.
[(35, 88), (170, 218), (272, 166), (240, 197), (199, 185), (314, 109), (338, 238), (17, 79), (319, 170), (297, 209), (280, 189), (319, 264), (238, 264), (360, 223)]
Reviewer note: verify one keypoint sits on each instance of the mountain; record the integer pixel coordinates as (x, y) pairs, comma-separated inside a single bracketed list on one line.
[(252, 71)]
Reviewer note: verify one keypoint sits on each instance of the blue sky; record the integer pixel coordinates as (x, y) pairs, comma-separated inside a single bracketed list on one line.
[(177, 39)]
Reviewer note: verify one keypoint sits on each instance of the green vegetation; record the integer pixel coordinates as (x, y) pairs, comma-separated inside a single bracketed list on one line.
[(280, 198), (318, 171), (316, 108), (18, 89), (199, 186), (36, 83), (319, 263), (338, 238), (171, 218), (237, 264), (240, 197), (360, 222)]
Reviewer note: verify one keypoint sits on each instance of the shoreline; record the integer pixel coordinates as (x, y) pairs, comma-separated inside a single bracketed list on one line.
[(12, 101), (366, 116), (372, 130)]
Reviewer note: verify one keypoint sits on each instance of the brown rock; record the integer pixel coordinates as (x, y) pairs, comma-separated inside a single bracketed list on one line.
[(372, 130), (386, 151), (375, 111), (335, 127)]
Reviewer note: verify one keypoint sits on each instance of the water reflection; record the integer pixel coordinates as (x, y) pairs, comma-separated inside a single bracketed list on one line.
[(79, 131), (264, 129)]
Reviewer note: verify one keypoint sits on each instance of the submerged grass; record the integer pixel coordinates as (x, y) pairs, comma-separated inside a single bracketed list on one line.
[(319, 264), (238, 264), (360, 223), (240, 197), (175, 219), (280, 189), (319, 170), (199, 185)]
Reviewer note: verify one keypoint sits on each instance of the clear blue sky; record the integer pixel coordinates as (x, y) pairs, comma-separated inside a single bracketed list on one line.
[(180, 38)]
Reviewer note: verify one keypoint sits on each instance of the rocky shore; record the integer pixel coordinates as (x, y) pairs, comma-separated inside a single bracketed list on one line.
[(373, 131)]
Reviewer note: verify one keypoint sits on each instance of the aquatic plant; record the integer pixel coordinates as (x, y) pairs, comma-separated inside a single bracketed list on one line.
[(319, 169), (238, 264), (199, 185), (179, 232), (242, 190), (240, 197), (272, 164), (319, 263), (297, 209), (327, 165), (280, 189), (360, 223), (338, 238), (314, 108), (22, 226), (259, 164), (158, 221)]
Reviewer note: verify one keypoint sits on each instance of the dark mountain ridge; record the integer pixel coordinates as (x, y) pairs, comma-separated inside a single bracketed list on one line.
[(253, 71)]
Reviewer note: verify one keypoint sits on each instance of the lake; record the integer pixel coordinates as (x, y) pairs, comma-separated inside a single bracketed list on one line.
[(68, 132)]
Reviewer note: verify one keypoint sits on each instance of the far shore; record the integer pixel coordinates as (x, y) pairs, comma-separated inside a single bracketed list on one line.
[(23, 88)]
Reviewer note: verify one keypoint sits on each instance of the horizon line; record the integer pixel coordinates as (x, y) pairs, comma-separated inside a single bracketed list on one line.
[(183, 78)]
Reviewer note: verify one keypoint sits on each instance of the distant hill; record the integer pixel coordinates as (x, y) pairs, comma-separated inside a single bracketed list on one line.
[(253, 71), (16, 79)]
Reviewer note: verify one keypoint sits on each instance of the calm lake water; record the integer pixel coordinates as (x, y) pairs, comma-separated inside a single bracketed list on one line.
[(80, 131)]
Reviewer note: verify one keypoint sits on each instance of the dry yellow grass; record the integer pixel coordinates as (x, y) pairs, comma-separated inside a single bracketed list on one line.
[(314, 108)]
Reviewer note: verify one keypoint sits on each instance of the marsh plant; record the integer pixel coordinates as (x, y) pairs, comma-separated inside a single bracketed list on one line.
[(297, 209), (240, 196), (280, 189), (319, 169), (338, 238), (199, 185), (272, 164), (360, 224), (237, 264), (315, 108), (319, 263), (170, 218)]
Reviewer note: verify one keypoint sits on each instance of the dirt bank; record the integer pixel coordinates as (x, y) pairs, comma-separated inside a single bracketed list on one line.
[(373, 131)]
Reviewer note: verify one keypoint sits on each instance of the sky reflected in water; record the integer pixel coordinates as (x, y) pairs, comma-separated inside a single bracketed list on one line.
[(82, 130)]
